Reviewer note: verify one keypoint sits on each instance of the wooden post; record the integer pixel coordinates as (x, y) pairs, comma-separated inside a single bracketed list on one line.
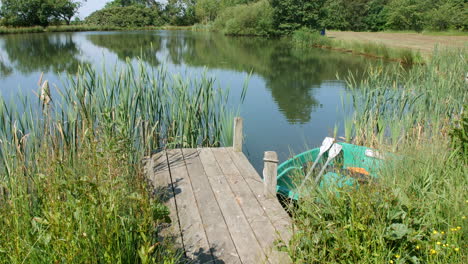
[(270, 173), (238, 137)]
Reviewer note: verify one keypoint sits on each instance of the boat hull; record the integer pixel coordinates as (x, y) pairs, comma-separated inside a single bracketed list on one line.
[(354, 165)]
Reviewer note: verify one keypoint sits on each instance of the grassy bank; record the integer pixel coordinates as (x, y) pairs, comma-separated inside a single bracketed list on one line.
[(78, 28), (306, 37), (417, 211), (71, 183)]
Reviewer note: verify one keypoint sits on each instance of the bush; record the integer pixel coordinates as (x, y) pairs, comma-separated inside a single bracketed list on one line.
[(308, 37), (248, 19), (448, 16), (131, 16)]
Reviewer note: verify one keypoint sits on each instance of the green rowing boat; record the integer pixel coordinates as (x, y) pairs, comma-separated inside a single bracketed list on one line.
[(353, 165)]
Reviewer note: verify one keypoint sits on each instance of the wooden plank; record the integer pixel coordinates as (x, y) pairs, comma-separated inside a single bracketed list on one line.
[(270, 172), (238, 135), (259, 221), (157, 172), (242, 235), (220, 241), (193, 234), (278, 216)]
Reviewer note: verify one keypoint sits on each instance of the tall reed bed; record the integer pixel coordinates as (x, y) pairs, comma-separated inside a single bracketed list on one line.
[(393, 104), (416, 212), (71, 184)]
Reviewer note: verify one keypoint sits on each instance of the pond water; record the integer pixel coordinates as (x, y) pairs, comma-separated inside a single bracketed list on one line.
[(294, 97)]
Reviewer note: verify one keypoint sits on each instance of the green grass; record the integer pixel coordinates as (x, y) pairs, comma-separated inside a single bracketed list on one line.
[(306, 37), (417, 211), (72, 187)]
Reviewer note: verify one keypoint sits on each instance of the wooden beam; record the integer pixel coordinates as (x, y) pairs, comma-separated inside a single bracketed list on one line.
[(238, 137), (270, 173)]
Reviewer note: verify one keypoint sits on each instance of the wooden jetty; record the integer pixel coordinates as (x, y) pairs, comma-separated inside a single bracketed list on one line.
[(221, 209)]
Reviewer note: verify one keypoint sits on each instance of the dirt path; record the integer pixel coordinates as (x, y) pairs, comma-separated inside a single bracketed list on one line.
[(424, 43)]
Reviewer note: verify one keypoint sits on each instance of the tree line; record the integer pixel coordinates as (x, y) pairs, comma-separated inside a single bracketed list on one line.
[(23, 13), (257, 17), (287, 16)]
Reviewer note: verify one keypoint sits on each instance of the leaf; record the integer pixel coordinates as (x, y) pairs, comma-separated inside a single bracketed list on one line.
[(396, 231)]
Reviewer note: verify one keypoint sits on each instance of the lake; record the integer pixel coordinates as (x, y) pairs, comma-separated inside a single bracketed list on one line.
[(294, 96)]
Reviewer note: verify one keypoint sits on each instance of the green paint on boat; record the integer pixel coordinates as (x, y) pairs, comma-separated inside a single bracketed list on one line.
[(292, 172)]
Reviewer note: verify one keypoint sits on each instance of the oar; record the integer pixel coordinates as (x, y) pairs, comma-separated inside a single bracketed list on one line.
[(334, 151), (326, 144)]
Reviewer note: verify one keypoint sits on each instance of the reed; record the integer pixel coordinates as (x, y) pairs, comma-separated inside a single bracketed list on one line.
[(71, 182), (416, 211)]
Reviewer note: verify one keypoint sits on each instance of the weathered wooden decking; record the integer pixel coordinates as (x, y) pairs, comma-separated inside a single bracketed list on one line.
[(219, 212)]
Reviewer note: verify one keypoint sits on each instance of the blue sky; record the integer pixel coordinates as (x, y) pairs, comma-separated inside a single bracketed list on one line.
[(91, 6)]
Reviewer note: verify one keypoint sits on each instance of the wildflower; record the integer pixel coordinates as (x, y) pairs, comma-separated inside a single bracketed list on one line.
[(458, 227), (445, 245), (438, 243), (463, 217), (84, 234), (418, 247), (397, 256), (456, 249), (435, 232), (433, 251), (391, 261), (442, 232)]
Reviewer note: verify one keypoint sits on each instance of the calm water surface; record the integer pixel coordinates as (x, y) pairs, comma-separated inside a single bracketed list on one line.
[(294, 98)]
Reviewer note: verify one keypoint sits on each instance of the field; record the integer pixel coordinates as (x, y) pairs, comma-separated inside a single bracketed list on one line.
[(421, 42)]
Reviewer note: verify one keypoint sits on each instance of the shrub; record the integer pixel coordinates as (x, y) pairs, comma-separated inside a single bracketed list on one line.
[(248, 19), (130, 16), (308, 37)]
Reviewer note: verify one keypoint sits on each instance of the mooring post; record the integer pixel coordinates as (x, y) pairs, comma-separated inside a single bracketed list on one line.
[(270, 173), (238, 137)]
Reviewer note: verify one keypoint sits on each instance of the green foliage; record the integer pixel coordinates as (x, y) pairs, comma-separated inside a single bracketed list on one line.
[(370, 15), (37, 12), (290, 15), (72, 187), (247, 19), (416, 212), (131, 16), (450, 15), (358, 15), (122, 3), (406, 14), (207, 10), (308, 37), (180, 12)]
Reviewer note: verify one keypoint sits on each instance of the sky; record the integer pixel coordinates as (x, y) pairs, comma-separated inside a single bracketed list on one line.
[(91, 6)]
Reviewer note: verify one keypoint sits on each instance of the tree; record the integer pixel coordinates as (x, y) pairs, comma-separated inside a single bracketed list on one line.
[(37, 12), (65, 9), (290, 15), (123, 3), (25, 12), (207, 10)]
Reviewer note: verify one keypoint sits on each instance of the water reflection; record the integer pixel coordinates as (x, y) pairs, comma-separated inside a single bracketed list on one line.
[(293, 99), (30, 53), (291, 74), (5, 70), (129, 45)]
